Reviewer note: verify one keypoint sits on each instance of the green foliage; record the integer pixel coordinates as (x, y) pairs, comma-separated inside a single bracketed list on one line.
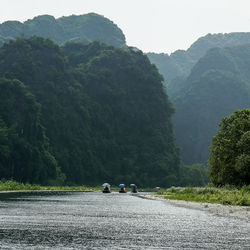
[(87, 28), (24, 146), (4, 40), (225, 195), (104, 111), (194, 175), (4, 147), (205, 83), (131, 141), (229, 152), (18, 186)]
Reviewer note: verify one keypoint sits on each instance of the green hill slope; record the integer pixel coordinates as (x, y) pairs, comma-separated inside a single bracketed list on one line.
[(25, 152), (104, 110), (181, 62), (217, 85), (82, 28)]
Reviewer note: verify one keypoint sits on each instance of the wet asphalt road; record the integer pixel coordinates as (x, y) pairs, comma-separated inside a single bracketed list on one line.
[(113, 221)]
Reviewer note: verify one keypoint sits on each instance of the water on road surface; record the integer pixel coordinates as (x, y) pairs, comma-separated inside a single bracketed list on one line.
[(76, 220)]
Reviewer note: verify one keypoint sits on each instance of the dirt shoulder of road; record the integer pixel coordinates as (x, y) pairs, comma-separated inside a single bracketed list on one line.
[(239, 212)]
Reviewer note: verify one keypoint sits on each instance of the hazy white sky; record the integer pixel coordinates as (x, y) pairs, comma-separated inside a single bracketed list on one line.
[(150, 25)]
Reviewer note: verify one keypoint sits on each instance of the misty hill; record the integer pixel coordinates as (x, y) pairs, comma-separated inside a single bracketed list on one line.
[(180, 63), (217, 85), (82, 28), (92, 112)]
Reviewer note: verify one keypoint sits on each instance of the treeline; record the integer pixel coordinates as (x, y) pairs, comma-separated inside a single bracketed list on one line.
[(84, 114)]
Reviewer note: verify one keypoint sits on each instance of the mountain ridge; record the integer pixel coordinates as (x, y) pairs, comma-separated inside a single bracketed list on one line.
[(79, 28), (180, 62)]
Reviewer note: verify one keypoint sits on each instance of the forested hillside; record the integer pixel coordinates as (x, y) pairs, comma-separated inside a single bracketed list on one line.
[(103, 111), (217, 85), (180, 62), (207, 82), (24, 153), (96, 112), (83, 28)]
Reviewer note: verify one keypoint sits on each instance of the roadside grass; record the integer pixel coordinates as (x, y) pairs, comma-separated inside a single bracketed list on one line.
[(17, 186), (224, 195)]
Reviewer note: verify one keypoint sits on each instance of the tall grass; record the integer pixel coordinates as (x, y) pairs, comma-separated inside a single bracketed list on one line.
[(225, 195)]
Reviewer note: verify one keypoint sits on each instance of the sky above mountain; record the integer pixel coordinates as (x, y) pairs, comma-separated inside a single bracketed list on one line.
[(151, 25)]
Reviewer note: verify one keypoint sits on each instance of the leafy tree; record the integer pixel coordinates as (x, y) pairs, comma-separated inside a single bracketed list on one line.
[(230, 150)]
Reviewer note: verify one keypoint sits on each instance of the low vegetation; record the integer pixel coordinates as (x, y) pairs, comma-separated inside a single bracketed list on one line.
[(10, 185), (17, 186), (225, 195)]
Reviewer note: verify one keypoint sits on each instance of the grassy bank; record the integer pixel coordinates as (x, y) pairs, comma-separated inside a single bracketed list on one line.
[(16, 186), (224, 195)]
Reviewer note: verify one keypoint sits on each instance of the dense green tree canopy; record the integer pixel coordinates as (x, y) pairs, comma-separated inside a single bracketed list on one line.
[(230, 150), (24, 147), (104, 110)]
